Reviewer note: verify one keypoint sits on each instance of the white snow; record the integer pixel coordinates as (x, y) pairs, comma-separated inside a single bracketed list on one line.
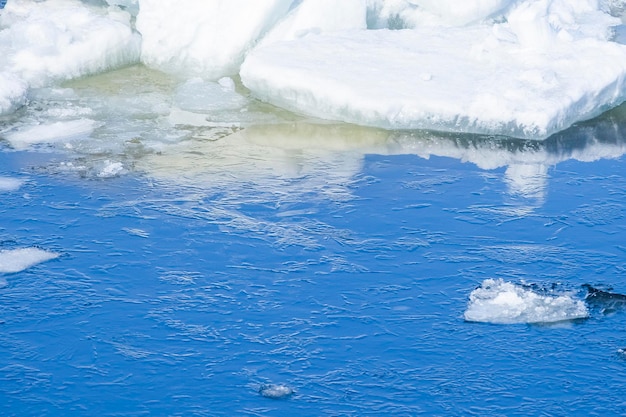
[(16, 260), (501, 302)]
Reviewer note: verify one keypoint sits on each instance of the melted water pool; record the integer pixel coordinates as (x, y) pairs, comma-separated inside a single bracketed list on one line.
[(327, 265)]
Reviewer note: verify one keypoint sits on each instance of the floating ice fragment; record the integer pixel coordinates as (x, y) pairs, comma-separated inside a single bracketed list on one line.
[(16, 260), (275, 391), (501, 302), (111, 169), (9, 184)]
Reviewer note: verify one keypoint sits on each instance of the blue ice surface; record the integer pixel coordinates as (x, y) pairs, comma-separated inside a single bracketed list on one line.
[(169, 300)]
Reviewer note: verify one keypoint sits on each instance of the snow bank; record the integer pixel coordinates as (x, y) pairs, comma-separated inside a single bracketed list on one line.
[(533, 74), (57, 40), (16, 260), (203, 38), (501, 302)]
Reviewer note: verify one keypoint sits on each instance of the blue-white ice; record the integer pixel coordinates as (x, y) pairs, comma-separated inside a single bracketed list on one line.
[(517, 68)]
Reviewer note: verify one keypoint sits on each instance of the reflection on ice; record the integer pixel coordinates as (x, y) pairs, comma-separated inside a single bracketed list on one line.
[(335, 153), (140, 119)]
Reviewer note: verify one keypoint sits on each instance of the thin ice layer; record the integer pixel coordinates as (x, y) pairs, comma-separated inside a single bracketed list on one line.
[(64, 131), (16, 260), (501, 302)]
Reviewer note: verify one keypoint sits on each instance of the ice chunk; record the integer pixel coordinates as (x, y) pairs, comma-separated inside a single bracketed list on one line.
[(203, 38), (501, 302), (9, 184), (477, 79), (51, 133), (275, 391), (16, 260)]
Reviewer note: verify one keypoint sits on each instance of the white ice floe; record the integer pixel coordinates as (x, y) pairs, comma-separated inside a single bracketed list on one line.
[(57, 40), (55, 132), (501, 302), (547, 65), (16, 260)]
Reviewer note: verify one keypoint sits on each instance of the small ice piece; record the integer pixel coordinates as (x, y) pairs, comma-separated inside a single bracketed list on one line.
[(501, 302), (275, 391), (111, 169), (16, 260), (9, 184), (51, 133)]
